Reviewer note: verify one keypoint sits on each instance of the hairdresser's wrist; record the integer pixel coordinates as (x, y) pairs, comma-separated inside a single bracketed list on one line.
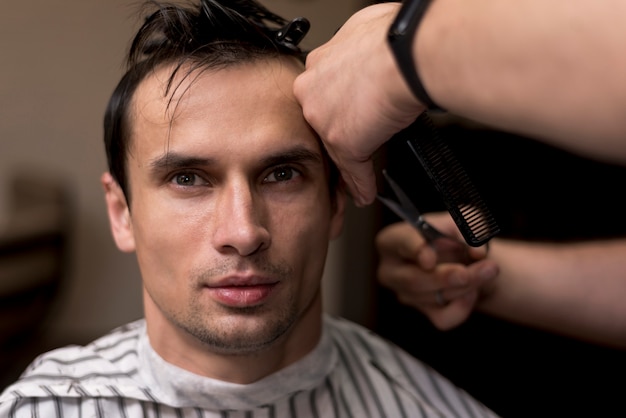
[(404, 106), (403, 38), (400, 94), (430, 43)]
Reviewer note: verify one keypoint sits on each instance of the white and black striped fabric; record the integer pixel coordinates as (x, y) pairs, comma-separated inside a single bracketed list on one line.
[(351, 373)]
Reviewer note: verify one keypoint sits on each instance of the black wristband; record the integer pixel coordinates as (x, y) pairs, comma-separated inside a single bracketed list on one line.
[(400, 38)]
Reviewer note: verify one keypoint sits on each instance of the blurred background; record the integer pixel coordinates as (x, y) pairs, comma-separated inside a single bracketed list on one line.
[(63, 281)]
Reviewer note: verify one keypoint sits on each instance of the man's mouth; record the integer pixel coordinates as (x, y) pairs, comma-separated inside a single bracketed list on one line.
[(242, 292)]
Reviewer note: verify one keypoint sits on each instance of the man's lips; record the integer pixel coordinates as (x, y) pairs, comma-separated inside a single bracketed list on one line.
[(242, 292)]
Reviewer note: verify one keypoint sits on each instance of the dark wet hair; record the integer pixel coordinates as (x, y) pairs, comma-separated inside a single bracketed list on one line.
[(209, 34)]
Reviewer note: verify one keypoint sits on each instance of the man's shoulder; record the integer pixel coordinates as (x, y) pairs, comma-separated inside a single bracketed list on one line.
[(106, 349), (360, 338), (353, 330), (368, 356), (75, 370), (357, 341)]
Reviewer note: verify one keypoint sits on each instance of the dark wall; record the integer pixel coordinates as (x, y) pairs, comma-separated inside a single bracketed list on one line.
[(536, 192)]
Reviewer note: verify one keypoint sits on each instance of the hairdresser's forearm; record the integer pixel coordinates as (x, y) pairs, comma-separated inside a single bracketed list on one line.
[(572, 289), (550, 69)]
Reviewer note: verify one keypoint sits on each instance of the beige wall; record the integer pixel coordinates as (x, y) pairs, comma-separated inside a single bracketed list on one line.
[(59, 62)]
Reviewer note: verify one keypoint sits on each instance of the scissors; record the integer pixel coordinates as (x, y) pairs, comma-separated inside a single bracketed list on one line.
[(448, 248)]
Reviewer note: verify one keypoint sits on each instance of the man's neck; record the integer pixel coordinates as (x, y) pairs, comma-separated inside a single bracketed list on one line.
[(179, 348)]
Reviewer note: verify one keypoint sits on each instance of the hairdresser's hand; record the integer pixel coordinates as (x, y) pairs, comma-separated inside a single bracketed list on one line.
[(409, 267), (354, 96)]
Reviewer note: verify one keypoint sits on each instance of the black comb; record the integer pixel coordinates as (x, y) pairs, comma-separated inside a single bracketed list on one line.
[(461, 198)]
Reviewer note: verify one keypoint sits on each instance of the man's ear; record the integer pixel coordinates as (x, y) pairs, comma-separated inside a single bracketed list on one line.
[(119, 214)]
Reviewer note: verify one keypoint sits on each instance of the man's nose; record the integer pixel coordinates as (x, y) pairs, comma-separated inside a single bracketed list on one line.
[(240, 221)]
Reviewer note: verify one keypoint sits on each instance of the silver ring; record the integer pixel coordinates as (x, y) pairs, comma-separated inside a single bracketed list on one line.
[(441, 301)]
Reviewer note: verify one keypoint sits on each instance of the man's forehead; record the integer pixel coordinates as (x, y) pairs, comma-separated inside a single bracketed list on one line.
[(164, 90), (236, 102)]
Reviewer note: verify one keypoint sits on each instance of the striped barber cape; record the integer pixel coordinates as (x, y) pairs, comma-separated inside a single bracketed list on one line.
[(351, 373)]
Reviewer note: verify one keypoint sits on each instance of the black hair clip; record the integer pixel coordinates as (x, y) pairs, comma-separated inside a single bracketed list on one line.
[(292, 33)]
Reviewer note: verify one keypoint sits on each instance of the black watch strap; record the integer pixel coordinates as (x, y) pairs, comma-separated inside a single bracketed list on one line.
[(400, 38)]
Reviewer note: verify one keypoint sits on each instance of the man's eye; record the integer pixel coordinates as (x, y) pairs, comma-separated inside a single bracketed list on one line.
[(187, 179), (282, 174)]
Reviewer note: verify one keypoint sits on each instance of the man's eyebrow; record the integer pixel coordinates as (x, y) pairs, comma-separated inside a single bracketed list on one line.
[(172, 160), (292, 156)]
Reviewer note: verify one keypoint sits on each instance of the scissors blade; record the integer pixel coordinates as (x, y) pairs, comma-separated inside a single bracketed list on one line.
[(406, 206), (450, 249), (397, 209)]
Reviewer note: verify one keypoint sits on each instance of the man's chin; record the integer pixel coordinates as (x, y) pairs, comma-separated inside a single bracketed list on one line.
[(244, 335)]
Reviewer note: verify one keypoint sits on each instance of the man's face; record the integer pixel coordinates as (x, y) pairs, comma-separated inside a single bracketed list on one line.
[(230, 213)]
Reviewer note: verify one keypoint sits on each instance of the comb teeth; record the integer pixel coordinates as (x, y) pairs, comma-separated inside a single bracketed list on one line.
[(464, 203)]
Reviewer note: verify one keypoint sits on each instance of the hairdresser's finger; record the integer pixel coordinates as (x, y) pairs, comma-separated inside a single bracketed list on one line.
[(358, 176), (455, 311), (401, 242)]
